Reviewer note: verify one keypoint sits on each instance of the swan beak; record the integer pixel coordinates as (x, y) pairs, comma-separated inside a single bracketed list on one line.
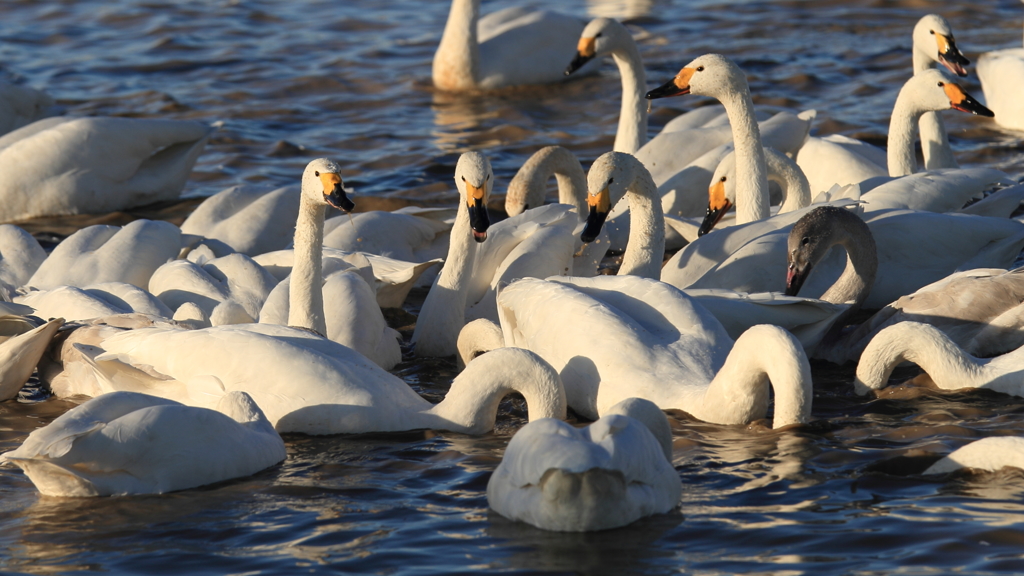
[(334, 193), (600, 206), (478, 219), (718, 205), (675, 87), (950, 56), (795, 278), (962, 101), (585, 52)]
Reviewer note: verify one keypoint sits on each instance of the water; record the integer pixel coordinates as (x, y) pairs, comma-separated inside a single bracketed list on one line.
[(291, 81)]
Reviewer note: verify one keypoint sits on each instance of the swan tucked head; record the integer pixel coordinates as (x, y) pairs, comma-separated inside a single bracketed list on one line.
[(648, 414), (599, 38), (474, 179), (710, 75), (321, 184), (934, 90), (812, 237), (934, 38), (607, 182)]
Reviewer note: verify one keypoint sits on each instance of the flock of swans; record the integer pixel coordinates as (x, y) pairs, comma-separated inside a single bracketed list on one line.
[(262, 313)]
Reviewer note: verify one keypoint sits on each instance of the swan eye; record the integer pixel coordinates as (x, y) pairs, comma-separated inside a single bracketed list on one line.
[(700, 68), (598, 35), (723, 179), (610, 180), (487, 178), (806, 240), (932, 32), (941, 84), (316, 173), (463, 178)]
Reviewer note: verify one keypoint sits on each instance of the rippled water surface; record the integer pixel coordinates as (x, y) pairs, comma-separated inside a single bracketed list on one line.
[(349, 79)]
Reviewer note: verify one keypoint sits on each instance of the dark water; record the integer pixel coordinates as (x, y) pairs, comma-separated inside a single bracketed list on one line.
[(349, 79)]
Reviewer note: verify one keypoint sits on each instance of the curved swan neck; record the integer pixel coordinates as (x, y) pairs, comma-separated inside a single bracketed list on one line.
[(921, 344), (306, 298), (861, 263), (900, 154), (739, 392), (527, 188), (472, 401), (751, 168), (632, 130), (796, 189), (645, 249), (456, 63), (477, 338)]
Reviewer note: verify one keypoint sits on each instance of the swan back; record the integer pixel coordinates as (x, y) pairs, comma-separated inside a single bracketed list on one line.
[(989, 454)]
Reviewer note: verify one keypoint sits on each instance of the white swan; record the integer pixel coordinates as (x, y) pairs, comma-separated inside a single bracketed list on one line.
[(988, 454), (234, 277), (99, 254), (250, 220), (933, 43), (94, 165), (21, 105), (356, 319), (609, 474), (723, 193), (311, 385), (615, 337), (510, 47), (949, 367), (20, 353), (603, 37), (93, 301), (1001, 73), (20, 257), (126, 443)]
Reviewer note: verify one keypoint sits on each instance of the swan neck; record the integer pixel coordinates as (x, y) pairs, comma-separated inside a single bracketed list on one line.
[(855, 283), (456, 63), (471, 405), (632, 131), (796, 189), (568, 173), (762, 356), (921, 344), (306, 299), (752, 199), (902, 132), (935, 142), (645, 249)]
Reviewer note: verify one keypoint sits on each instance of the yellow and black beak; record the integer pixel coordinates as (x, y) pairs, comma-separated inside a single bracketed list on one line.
[(950, 56), (718, 205), (675, 87), (585, 52), (600, 206), (963, 101), (478, 219), (334, 193)]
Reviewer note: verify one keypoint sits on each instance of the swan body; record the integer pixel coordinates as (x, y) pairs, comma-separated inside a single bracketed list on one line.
[(99, 254), (510, 47), (914, 250), (21, 105), (93, 301), (311, 385), (234, 277), (20, 256), (248, 219), (609, 474), (838, 159), (949, 367), (68, 165), (988, 454), (942, 190), (410, 234), (127, 443), (19, 355), (1001, 73), (667, 349)]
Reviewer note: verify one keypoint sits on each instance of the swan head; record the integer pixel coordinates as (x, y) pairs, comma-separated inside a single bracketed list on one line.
[(709, 75), (474, 179), (812, 237), (652, 417), (934, 39), (934, 90), (607, 182), (321, 184), (599, 38), (721, 193)]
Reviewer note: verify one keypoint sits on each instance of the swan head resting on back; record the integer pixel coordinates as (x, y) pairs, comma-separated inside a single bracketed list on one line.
[(599, 38), (711, 75), (933, 40), (321, 183), (474, 181)]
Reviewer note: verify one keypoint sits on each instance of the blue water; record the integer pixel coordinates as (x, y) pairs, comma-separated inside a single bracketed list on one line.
[(349, 79)]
